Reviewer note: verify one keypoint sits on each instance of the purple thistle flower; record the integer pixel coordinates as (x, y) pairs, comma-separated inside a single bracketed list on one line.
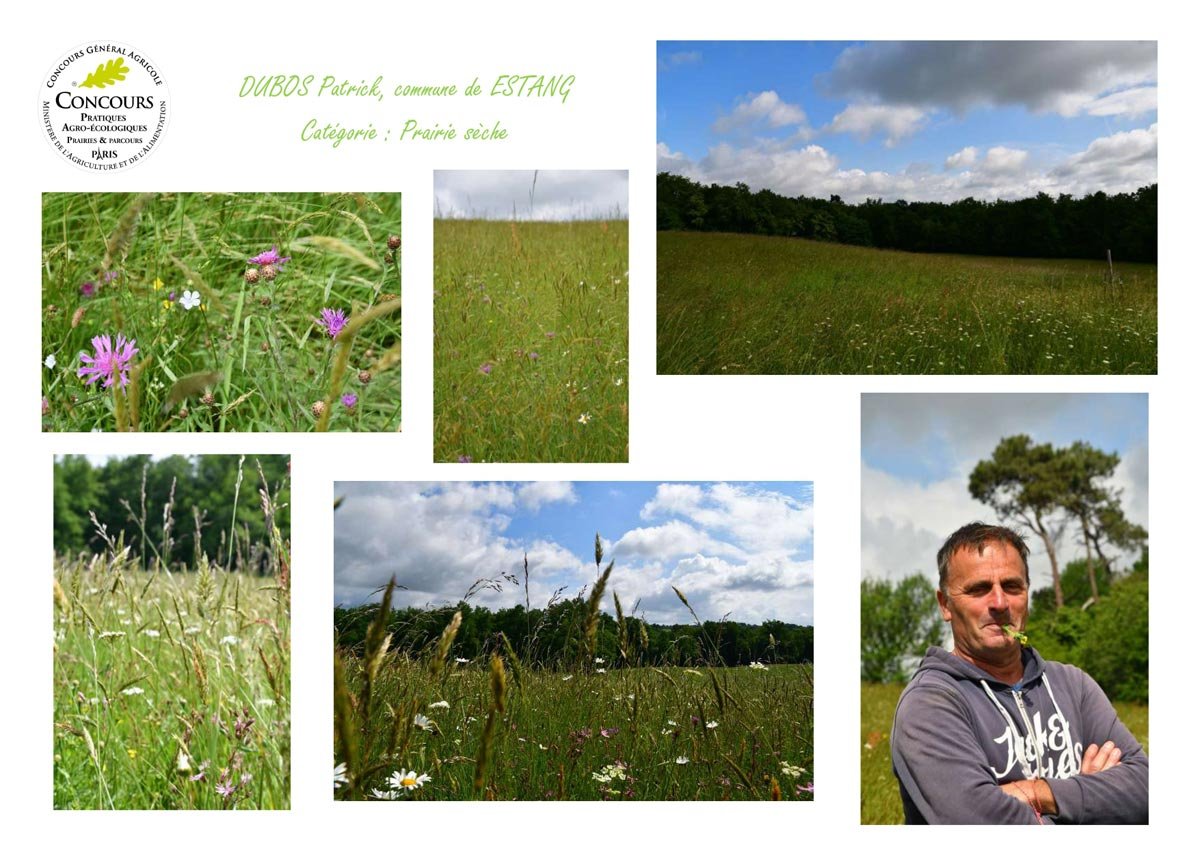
[(464, 458), (88, 289), (334, 321), (349, 400), (270, 257), (533, 355), (486, 368), (108, 362)]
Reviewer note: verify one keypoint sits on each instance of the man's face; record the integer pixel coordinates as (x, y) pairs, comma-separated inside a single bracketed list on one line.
[(985, 591)]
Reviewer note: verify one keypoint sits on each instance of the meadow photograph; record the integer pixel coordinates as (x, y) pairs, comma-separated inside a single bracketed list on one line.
[(573, 641), (907, 207), (220, 312), (531, 317), (1068, 475), (172, 612)]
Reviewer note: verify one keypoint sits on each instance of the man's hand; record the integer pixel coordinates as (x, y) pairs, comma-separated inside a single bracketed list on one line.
[(1037, 793), (1034, 792), (1099, 758)]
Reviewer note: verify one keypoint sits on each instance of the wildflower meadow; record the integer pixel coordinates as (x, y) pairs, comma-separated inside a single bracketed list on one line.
[(743, 304), (172, 641), (220, 312), (568, 703), (531, 324)]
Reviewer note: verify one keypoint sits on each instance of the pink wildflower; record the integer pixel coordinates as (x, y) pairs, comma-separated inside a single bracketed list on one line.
[(108, 362), (334, 321), (270, 257)]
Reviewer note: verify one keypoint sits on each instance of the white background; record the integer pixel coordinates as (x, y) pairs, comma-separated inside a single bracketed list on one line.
[(789, 428)]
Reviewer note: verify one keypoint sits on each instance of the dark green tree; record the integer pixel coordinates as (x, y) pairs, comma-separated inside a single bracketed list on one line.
[(1026, 483), (899, 621)]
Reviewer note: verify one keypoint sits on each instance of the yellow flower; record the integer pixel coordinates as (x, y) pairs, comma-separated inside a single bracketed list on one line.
[(132, 753), (158, 284), (168, 304)]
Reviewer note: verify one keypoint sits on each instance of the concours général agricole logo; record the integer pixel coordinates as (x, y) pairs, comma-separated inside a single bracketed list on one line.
[(104, 106)]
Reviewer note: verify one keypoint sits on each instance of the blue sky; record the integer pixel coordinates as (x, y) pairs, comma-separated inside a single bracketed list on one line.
[(918, 452), (737, 549), (918, 120)]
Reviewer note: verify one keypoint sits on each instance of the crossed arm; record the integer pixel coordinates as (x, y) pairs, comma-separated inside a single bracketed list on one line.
[(1038, 794)]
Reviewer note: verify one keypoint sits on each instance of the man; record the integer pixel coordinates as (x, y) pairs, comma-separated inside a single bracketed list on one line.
[(992, 733)]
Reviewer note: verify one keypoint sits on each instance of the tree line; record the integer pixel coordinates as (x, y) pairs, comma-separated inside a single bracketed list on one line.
[(1092, 614), (554, 637), (170, 510), (1042, 226)]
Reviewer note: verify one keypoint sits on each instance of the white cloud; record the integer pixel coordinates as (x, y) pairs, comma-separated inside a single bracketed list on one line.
[(867, 119), (738, 554), (759, 520), (1130, 103), (1004, 160), (665, 542), (537, 493), (679, 59), (1117, 163), (556, 195), (1122, 162), (766, 107), (965, 158)]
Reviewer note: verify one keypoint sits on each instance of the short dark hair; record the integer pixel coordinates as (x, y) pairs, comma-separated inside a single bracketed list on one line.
[(977, 535)]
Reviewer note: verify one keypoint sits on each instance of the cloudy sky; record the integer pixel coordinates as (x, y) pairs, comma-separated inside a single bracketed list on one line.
[(554, 196), (918, 452), (914, 120), (742, 550)]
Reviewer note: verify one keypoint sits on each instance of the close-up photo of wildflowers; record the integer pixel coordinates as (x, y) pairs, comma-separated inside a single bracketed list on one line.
[(210, 312), (172, 632)]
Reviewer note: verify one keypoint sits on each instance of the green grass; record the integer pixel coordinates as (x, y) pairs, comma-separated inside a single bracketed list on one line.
[(880, 800), (265, 359), (736, 304), (531, 341), (142, 686), (550, 742)]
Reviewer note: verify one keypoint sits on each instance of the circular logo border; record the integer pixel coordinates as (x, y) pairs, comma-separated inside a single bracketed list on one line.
[(104, 106)]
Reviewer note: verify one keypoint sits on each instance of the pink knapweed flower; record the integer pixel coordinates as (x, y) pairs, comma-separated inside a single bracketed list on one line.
[(270, 257), (109, 362), (334, 321), (88, 289), (349, 400), (486, 368)]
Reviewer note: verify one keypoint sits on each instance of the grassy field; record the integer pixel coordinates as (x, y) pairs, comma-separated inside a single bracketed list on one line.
[(531, 325), (637, 733), (171, 688), (232, 307), (880, 800), (736, 304)]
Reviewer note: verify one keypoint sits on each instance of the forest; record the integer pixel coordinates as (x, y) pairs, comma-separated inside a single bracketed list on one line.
[(169, 509), (1042, 226), (554, 636)]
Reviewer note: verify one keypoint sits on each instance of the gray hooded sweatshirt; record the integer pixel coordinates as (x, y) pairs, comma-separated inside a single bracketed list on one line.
[(959, 734)]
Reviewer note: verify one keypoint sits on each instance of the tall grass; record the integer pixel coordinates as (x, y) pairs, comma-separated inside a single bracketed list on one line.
[(736, 304), (171, 688), (252, 356), (531, 341), (416, 721)]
